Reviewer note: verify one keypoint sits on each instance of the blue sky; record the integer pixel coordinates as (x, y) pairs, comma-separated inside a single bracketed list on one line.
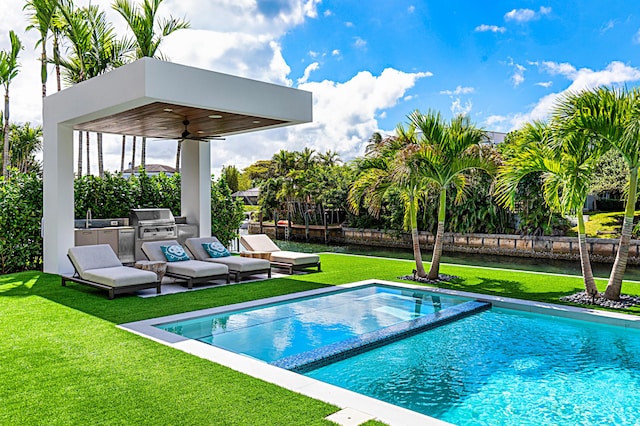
[(370, 63)]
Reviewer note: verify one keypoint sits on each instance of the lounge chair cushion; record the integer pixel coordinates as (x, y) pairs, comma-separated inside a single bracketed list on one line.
[(234, 263), (241, 264), (119, 276), (196, 268), (153, 251), (85, 258), (174, 253), (216, 249), (258, 242), (294, 258)]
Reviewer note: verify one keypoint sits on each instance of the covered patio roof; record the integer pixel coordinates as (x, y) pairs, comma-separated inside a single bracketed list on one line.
[(155, 99)]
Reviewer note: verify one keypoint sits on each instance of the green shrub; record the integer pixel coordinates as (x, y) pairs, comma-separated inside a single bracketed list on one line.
[(226, 212), (20, 221)]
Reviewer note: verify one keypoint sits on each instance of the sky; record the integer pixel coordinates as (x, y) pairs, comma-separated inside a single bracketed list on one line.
[(370, 64)]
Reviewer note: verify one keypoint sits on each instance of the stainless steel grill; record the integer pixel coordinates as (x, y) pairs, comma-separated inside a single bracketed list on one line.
[(152, 225)]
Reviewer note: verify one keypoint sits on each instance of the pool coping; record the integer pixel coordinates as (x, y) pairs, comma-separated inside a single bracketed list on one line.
[(343, 398)]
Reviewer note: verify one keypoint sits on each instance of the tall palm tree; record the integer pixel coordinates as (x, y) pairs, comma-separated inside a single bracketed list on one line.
[(124, 146), (567, 163), (385, 168), (41, 13), (611, 117), (446, 151), (148, 33), (8, 71), (94, 51)]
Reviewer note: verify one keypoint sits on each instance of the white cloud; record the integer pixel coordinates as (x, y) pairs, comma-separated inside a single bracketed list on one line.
[(555, 68), (312, 67), (545, 84), (526, 15), (615, 73), (313, 54), (459, 90), (411, 9), (493, 120), (348, 24), (335, 52), (636, 37), (458, 108), (327, 13), (493, 28), (517, 78), (359, 42), (609, 25)]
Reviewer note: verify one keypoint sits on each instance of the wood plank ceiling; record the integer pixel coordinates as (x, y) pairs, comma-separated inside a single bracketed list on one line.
[(163, 120)]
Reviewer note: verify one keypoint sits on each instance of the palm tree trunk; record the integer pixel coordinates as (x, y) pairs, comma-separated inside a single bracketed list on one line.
[(56, 58), (88, 145), (124, 145), (143, 153), (100, 156), (415, 238), (80, 153), (434, 270), (178, 156), (43, 69), (585, 263), (133, 156), (614, 286), (5, 145)]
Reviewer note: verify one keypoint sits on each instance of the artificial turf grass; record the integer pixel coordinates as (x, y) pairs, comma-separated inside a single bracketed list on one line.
[(63, 361)]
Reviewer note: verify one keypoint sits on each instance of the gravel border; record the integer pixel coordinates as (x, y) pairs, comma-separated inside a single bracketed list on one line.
[(583, 298)]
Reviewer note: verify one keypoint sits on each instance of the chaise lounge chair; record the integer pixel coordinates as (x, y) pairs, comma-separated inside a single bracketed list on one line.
[(289, 260), (192, 271), (98, 266), (238, 266)]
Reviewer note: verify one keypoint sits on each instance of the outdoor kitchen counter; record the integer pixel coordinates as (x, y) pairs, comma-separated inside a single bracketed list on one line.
[(120, 238)]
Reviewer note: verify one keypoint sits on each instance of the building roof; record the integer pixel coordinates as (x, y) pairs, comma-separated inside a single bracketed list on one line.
[(153, 168)]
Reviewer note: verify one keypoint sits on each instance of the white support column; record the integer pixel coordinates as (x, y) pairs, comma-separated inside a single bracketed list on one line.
[(58, 196), (196, 184)]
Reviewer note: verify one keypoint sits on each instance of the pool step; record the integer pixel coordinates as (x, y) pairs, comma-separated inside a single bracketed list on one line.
[(316, 358)]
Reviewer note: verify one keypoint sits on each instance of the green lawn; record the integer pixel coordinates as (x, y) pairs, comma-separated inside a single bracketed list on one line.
[(604, 225), (63, 361)]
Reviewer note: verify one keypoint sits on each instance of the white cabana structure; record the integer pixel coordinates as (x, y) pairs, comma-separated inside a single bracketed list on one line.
[(155, 99)]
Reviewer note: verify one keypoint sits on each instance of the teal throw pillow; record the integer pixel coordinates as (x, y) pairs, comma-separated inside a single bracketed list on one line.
[(174, 253), (216, 249)]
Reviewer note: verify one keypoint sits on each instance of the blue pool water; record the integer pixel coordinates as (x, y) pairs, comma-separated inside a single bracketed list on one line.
[(495, 367), (277, 331), (505, 367)]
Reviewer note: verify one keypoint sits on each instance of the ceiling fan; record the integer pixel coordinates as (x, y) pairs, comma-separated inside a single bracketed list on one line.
[(187, 135)]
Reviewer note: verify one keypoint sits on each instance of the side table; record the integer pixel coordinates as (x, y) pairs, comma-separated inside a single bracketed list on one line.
[(157, 266), (256, 254)]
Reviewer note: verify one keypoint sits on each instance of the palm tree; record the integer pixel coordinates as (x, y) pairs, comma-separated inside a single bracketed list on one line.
[(329, 158), (8, 71), (610, 116), (25, 142), (446, 152), (148, 33), (385, 168), (41, 14), (567, 163), (95, 50), (124, 146)]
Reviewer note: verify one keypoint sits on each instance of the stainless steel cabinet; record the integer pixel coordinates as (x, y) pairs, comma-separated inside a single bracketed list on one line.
[(120, 239)]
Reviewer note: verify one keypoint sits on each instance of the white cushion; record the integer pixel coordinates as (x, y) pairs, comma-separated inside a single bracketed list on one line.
[(196, 268), (294, 258), (119, 276), (85, 258), (258, 242), (241, 264)]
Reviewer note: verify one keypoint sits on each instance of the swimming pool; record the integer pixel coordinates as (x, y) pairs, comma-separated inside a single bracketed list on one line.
[(501, 366)]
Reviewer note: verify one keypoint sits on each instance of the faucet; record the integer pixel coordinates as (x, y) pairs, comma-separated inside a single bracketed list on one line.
[(88, 219)]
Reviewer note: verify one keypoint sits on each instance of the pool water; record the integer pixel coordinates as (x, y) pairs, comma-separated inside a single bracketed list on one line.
[(278, 331), (504, 367)]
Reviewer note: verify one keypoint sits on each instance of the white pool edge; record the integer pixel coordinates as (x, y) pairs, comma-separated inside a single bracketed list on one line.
[(343, 398)]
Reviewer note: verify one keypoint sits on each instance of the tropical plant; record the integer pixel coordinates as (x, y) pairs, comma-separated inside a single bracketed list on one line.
[(148, 33), (386, 167), (226, 212), (567, 163), (25, 142), (41, 14), (8, 71), (611, 117), (444, 153)]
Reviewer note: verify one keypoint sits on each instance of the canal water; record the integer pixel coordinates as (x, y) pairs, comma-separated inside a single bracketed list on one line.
[(600, 270)]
